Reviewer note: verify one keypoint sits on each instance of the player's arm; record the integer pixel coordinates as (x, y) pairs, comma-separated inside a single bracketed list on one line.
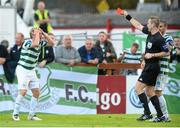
[(50, 41), (35, 39)]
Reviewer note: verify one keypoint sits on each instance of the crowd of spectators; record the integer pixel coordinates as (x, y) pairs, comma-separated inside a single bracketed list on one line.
[(91, 52)]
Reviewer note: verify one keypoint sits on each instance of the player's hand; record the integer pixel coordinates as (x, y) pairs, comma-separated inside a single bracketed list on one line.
[(40, 29), (148, 56), (42, 32)]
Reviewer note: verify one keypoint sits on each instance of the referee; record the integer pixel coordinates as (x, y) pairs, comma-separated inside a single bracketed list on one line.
[(155, 48)]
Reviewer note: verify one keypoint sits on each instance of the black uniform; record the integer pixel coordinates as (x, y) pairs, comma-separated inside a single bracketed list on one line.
[(3, 52), (154, 44), (47, 54)]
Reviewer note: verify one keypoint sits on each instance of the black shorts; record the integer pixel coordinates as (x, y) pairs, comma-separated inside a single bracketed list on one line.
[(149, 74)]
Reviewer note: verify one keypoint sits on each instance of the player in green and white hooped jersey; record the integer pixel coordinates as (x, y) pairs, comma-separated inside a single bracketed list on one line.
[(25, 71), (162, 78)]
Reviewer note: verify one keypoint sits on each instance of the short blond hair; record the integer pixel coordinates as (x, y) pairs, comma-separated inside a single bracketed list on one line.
[(155, 20)]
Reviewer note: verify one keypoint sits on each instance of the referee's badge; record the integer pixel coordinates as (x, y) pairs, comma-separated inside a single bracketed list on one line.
[(149, 45)]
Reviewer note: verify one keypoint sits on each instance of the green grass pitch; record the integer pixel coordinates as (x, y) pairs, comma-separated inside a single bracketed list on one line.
[(102, 120)]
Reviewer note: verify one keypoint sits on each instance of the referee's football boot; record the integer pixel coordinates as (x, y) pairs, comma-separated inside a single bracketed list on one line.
[(160, 119), (145, 117)]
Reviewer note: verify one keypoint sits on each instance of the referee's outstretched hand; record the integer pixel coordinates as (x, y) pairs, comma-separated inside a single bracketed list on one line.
[(120, 11)]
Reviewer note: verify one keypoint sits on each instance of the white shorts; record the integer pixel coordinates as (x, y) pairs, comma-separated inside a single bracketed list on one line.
[(27, 79), (161, 82)]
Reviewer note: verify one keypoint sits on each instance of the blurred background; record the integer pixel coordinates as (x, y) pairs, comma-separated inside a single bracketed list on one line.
[(68, 13)]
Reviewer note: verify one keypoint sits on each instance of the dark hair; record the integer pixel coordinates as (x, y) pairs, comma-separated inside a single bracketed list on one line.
[(155, 20), (135, 45), (5, 43), (102, 32)]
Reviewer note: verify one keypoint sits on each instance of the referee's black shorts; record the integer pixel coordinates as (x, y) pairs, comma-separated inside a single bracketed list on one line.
[(149, 74)]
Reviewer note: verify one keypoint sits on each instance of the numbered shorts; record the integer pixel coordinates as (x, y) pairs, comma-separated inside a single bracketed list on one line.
[(161, 82), (27, 79)]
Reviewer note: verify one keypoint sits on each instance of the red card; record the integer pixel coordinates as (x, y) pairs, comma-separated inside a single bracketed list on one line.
[(119, 11)]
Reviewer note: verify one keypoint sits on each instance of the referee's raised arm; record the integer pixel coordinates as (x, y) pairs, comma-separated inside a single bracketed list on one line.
[(133, 21)]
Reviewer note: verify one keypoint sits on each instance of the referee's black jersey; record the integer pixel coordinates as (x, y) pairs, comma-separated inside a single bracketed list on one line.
[(154, 44)]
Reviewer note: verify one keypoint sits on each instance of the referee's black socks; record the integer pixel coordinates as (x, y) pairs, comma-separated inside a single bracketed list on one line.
[(155, 101), (143, 99)]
